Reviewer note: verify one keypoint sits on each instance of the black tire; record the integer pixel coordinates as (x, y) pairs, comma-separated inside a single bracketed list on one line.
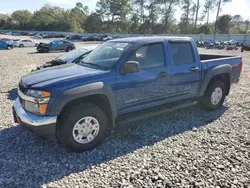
[(71, 116), (69, 48), (36, 45), (21, 45), (206, 99), (45, 50), (242, 49)]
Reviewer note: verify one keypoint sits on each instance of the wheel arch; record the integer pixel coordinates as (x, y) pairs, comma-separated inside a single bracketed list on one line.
[(99, 100), (95, 93), (222, 73)]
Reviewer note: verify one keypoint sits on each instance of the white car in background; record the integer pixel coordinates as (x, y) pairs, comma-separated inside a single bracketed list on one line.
[(25, 43)]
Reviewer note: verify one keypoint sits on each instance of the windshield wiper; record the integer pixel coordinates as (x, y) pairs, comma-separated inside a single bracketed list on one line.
[(92, 65)]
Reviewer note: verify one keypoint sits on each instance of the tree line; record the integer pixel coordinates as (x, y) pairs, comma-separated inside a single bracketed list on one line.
[(130, 16)]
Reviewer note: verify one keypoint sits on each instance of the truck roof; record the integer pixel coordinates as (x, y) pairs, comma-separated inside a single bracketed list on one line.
[(151, 39)]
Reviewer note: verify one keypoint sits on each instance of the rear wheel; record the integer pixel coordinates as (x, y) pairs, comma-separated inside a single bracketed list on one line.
[(214, 95), (21, 45), (69, 49), (83, 127)]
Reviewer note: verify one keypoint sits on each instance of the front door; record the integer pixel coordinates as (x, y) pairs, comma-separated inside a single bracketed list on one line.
[(137, 90), (185, 69)]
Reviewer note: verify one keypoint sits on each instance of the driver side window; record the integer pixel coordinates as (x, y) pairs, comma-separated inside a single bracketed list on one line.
[(149, 56)]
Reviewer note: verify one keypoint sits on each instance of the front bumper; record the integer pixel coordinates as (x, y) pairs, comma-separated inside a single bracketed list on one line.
[(44, 126)]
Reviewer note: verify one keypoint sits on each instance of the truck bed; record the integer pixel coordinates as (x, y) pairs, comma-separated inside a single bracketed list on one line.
[(205, 57), (210, 61)]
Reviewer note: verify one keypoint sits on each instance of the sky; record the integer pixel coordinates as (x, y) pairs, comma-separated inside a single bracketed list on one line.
[(241, 7)]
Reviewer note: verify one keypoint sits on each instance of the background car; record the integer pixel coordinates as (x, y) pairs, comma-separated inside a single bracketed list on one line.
[(245, 46), (84, 39), (10, 42), (106, 38), (25, 43), (56, 45), (37, 36), (73, 37), (93, 38), (231, 46), (5, 45), (70, 57)]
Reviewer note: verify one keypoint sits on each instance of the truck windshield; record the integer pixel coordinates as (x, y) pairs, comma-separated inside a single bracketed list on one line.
[(106, 55)]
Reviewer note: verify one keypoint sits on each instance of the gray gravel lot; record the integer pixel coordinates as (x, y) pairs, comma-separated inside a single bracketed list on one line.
[(185, 148)]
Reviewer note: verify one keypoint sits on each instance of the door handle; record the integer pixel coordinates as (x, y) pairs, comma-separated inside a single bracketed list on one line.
[(193, 69), (162, 74)]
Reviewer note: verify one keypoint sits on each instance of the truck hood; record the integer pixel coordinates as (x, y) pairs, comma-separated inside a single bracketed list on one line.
[(57, 74)]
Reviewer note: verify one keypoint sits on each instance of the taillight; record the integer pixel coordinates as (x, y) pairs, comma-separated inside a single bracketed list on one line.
[(241, 65)]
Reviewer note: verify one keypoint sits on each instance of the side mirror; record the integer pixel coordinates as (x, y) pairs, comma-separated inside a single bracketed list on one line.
[(130, 67)]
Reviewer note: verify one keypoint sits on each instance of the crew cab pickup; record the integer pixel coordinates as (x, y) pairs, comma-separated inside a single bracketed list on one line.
[(118, 82)]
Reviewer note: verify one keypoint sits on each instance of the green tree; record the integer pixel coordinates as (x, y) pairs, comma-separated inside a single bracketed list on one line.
[(6, 22), (135, 24), (237, 20), (186, 6), (153, 13), (247, 22), (84, 9), (140, 5), (168, 11), (208, 8), (93, 23), (78, 16), (22, 19), (219, 4), (223, 24), (114, 9), (197, 6), (206, 29)]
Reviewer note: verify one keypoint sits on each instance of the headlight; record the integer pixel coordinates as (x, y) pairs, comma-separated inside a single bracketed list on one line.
[(38, 94), (38, 104), (36, 108), (32, 107)]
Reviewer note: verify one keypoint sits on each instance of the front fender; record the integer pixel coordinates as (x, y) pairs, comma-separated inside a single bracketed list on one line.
[(221, 69), (57, 103)]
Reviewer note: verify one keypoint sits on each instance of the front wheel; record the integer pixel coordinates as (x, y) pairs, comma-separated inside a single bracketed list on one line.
[(214, 96), (83, 127)]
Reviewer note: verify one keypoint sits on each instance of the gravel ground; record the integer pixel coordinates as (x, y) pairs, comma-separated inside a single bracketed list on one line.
[(186, 148)]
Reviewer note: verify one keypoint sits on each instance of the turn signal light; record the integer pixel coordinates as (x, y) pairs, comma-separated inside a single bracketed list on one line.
[(43, 108)]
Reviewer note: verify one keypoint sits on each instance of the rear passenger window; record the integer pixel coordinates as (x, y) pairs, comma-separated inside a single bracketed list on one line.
[(149, 56), (182, 53)]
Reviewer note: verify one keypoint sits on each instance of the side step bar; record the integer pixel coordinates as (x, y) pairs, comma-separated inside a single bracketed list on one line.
[(151, 112)]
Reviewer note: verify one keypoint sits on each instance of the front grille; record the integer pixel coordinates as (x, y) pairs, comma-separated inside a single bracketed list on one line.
[(21, 87)]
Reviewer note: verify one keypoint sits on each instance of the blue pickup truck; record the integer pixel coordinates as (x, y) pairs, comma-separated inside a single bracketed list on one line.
[(120, 81)]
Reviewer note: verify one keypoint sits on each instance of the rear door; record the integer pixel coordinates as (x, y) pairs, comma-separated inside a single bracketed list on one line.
[(58, 45), (185, 69), (64, 45)]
